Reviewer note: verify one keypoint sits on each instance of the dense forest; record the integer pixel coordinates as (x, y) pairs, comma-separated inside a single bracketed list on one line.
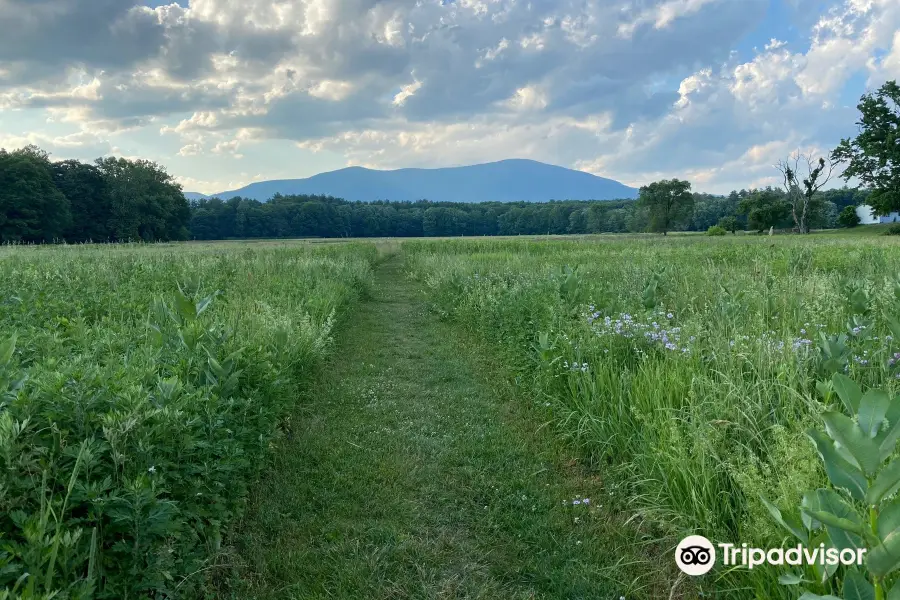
[(116, 199), (113, 199), (323, 216)]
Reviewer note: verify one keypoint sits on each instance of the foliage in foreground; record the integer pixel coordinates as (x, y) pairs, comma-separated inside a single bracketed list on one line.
[(859, 510), (686, 369), (139, 390)]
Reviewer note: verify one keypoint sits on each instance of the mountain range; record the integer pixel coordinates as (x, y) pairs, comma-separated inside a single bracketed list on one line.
[(503, 181)]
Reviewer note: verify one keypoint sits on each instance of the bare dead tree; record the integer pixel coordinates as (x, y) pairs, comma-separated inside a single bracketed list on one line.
[(800, 192)]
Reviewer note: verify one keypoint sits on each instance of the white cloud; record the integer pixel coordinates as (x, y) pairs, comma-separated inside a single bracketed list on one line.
[(663, 14), (631, 89), (406, 92)]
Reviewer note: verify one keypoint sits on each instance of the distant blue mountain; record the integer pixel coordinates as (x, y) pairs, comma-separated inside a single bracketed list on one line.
[(504, 181)]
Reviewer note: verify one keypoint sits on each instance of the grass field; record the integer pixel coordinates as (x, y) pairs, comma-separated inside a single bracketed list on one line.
[(685, 368), (495, 418), (140, 388)]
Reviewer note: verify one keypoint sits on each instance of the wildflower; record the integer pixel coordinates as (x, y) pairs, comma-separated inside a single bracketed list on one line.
[(586, 501), (669, 315), (152, 469)]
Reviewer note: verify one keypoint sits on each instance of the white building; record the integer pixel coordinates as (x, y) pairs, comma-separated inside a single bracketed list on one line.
[(867, 216)]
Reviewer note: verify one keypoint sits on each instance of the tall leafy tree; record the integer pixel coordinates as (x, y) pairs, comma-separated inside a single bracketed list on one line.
[(669, 204), (88, 195), (764, 209), (32, 209), (147, 203), (873, 156)]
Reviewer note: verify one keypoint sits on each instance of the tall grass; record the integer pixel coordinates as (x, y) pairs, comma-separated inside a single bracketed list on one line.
[(685, 367), (139, 389)]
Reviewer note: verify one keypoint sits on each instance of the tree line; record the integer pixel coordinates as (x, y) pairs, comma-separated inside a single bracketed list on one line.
[(116, 199), (112, 200), (325, 216)]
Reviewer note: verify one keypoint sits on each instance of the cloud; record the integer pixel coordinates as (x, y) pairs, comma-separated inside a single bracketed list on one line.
[(632, 89)]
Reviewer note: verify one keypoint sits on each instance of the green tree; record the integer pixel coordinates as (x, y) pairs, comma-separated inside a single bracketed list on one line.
[(146, 203), (88, 195), (848, 217), (729, 223), (32, 209), (873, 156), (669, 203), (764, 208)]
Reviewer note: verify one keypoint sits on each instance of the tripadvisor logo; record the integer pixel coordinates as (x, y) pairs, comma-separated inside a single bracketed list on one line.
[(696, 555)]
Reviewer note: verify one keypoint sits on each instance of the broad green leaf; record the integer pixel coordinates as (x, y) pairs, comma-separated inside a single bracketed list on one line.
[(788, 521), (885, 557), (848, 391), (811, 596), (843, 523), (841, 473), (810, 501), (791, 579), (187, 310), (824, 388), (886, 483), (894, 594), (856, 587), (6, 350), (861, 447), (832, 520), (204, 304), (823, 572), (889, 518), (872, 408), (888, 436)]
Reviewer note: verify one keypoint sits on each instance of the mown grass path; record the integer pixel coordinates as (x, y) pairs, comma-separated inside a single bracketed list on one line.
[(412, 472)]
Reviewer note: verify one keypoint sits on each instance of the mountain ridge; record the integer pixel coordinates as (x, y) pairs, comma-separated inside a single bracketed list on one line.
[(507, 180)]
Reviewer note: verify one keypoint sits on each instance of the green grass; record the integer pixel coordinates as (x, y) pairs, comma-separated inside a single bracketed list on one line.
[(414, 419), (412, 470), (133, 415), (860, 230), (693, 438)]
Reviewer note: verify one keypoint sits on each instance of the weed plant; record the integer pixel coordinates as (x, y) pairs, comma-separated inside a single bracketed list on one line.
[(140, 387)]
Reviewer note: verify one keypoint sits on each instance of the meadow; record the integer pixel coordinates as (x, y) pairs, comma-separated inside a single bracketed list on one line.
[(684, 369), (176, 423), (140, 389)]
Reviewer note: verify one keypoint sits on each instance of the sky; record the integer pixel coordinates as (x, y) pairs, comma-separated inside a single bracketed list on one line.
[(227, 92)]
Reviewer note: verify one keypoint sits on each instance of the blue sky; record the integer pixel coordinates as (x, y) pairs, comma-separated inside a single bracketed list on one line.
[(226, 92)]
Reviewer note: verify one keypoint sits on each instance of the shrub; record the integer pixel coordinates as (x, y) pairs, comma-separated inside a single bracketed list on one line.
[(716, 230), (848, 217), (893, 230), (729, 223)]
